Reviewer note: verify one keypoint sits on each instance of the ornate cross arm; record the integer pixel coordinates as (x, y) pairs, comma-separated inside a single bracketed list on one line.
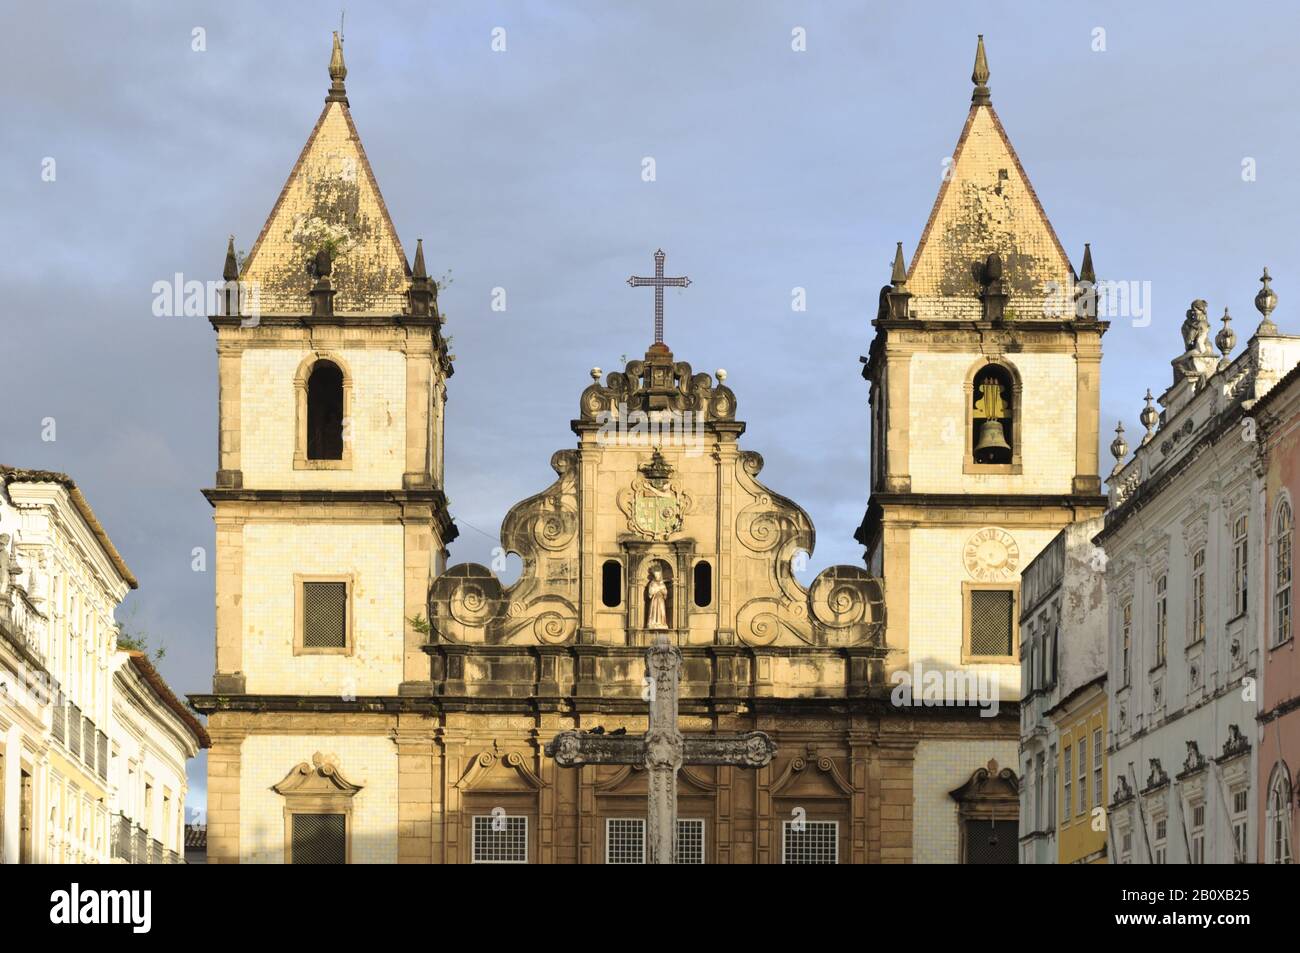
[(750, 750), (573, 748)]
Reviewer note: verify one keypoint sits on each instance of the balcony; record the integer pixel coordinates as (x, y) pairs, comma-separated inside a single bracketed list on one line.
[(120, 838), (22, 623)]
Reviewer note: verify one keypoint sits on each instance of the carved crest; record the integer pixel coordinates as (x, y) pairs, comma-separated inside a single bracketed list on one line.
[(654, 504)]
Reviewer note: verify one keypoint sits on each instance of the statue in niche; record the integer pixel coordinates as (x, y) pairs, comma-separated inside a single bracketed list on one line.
[(657, 600)]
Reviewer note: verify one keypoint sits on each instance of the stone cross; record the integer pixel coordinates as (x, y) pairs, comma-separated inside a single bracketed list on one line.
[(662, 751), (659, 283)]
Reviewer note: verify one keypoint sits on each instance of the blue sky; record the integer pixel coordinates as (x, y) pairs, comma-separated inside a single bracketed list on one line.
[(521, 169)]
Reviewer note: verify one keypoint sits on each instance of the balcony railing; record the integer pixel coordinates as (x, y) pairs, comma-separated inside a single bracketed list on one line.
[(121, 838), (22, 621), (140, 845)]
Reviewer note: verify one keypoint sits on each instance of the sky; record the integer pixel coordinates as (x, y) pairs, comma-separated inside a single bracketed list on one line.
[(1164, 134)]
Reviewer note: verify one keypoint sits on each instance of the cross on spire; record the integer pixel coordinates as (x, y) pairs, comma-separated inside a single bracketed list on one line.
[(659, 283)]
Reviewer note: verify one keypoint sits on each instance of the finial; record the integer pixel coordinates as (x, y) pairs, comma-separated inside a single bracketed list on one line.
[(338, 73), (595, 374), (231, 271), (980, 76), (721, 375), (1086, 272), (1226, 339), (1149, 417), (418, 271), (1265, 302), (1119, 446), (898, 277)]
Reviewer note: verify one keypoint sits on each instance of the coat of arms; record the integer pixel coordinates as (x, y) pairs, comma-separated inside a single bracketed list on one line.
[(654, 505)]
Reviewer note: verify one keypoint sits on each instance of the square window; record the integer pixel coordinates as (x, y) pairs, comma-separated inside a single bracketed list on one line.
[(319, 839), (625, 840), (500, 839), (817, 843), (323, 615), (690, 841), (990, 623)]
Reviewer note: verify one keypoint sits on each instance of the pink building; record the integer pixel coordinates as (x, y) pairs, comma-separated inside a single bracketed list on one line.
[(1277, 427)]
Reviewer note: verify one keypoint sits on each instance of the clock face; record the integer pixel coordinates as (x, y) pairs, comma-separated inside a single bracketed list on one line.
[(991, 554)]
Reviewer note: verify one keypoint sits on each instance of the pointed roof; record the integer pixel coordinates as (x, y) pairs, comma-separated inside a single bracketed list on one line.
[(330, 200), (986, 204)]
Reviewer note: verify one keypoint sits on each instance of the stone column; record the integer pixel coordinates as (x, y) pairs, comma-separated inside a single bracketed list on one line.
[(223, 789)]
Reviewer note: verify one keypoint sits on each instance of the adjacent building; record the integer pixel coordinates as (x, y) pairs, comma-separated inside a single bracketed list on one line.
[(1063, 700), (62, 714), (153, 735), (1277, 415), (1187, 539)]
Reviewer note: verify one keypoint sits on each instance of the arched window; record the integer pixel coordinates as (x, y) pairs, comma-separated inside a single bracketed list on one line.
[(992, 415), (325, 412), (611, 584), (1282, 574), (1277, 837), (702, 583)]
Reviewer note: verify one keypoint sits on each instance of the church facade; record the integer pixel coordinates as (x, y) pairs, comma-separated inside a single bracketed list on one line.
[(372, 704)]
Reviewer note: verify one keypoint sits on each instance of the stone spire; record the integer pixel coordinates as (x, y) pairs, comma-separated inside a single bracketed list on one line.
[(1086, 272), (231, 271), (419, 270), (980, 76), (424, 293), (338, 73), (1265, 302), (1085, 295), (898, 277)]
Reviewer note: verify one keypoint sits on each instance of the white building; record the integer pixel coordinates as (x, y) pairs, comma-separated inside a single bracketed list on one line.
[(153, 735), (1184, 538), (1062, 651), (61, 580)]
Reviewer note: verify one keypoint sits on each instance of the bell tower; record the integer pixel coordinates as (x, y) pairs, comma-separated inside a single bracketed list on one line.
[(331, 520), (985, 377)]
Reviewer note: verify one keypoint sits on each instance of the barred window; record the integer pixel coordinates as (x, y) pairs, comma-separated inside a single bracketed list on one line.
[(324, 615), (624, 840), (319, 839), (991, 633), (690, 841), (990, 842), (818, 842), (500, 839)]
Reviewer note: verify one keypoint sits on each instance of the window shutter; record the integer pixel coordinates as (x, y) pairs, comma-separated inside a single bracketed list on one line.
[(324, 615), (990, 621), (319, 839)]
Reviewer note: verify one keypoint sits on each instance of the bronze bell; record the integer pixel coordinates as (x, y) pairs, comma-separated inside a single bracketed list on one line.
[(991, 438)]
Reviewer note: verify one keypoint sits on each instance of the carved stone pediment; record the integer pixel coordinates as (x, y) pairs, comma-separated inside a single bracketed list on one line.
[(320, 778), (657, 383)]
